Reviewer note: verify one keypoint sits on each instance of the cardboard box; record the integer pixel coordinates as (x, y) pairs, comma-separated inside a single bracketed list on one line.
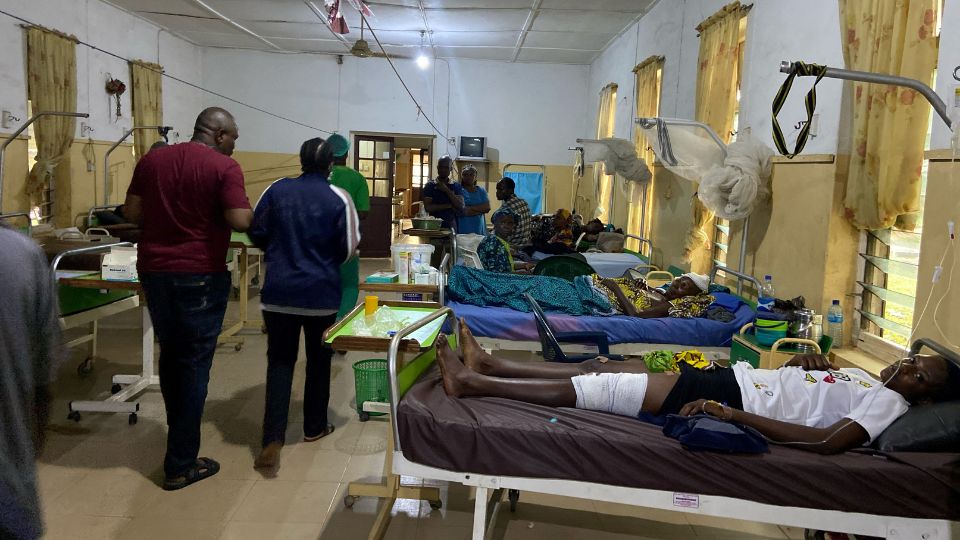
[(120, 264)]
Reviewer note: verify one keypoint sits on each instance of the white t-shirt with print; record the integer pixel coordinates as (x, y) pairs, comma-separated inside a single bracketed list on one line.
[(819, 398)]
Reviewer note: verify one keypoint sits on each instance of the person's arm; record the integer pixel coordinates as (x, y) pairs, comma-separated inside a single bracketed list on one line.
[(626, 306), (456, 199), (233, 199), (362, 198), (476, 209), (48, 350), (133, 209), (810, 362), (839, 437), (259, 231), (432, 208), (348, 228)]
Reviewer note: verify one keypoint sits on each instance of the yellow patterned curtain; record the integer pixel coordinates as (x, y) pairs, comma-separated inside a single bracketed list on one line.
[(606, 118), (51, 86), (894, 37), (648, 77), (716, 102), (147, 103)]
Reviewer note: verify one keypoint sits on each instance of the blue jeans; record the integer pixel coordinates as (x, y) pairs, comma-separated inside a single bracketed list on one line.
[(187, 311), (283, 344)]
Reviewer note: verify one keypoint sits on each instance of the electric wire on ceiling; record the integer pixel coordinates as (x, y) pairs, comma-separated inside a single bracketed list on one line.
[(181, 81), (420, 110)]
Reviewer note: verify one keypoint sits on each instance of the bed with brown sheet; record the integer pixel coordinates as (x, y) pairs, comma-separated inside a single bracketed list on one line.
[(501, 438)]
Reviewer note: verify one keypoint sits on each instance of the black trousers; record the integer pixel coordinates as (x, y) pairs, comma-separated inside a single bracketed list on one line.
[(283, 347), (187, 312)]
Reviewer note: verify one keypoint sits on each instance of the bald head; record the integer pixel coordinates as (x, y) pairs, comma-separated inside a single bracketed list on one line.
[(216, 128)]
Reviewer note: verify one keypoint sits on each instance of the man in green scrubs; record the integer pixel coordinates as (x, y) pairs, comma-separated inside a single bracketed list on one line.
[(355, 184)]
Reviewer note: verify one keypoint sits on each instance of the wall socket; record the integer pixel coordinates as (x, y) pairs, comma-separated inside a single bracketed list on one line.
[(6, 120)]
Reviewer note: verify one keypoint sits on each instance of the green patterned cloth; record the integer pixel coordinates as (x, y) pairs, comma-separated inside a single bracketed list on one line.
[(483, 288)]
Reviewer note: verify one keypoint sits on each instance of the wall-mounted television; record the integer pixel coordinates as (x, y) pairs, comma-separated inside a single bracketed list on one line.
[(472, 148)]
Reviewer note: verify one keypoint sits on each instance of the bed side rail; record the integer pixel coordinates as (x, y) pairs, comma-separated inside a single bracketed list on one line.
[(643, 241), (395, 370), (740, 276), (946, 352)]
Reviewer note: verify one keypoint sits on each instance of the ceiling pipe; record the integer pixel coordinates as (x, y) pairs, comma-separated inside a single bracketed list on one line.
[(323, 18), (426, 26), (236, 25), (534, 10)]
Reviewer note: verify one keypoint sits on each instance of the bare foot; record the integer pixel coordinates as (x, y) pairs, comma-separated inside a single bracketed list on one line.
[(452, 370), (474, 357)]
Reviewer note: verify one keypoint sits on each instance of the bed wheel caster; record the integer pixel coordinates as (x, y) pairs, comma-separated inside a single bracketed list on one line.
[(238, 347), (236, 293), (263, 329), (513, 495), (364, 416), (74, 415), (436, 505), (349, 500), (115, 388), (85, 367), (132, 419)]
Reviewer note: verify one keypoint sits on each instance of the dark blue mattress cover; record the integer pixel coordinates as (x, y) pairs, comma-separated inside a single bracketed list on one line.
[(505, 323)]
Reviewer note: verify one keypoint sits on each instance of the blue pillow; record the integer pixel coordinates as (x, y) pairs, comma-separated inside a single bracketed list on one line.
[(727, 301)]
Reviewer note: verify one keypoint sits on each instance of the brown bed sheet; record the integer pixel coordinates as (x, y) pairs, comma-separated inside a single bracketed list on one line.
[(509, 438), (86, 261)]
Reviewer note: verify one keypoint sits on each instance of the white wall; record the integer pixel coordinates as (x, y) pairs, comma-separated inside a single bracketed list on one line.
[(529, 112), (948, 61), (113, 30)]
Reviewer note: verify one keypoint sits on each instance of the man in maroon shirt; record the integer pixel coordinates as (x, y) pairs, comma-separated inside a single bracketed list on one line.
[(187, 197)]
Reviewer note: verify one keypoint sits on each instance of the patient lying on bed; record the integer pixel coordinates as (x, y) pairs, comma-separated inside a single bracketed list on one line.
[(686, 297), (808, 403)]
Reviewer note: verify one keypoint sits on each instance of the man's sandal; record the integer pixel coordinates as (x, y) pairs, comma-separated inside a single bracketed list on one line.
[(203, 468), (330, 429)]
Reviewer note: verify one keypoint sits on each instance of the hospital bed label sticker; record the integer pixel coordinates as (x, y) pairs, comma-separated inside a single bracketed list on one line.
[(686, 500)]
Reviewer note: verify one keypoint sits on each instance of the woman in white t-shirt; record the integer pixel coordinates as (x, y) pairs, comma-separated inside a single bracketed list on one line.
[(809, 402)]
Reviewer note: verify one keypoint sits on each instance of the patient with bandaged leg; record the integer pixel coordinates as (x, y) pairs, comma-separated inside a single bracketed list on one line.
[(808, 403)]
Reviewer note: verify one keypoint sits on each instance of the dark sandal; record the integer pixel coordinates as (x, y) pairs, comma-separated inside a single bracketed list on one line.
[(204, 468), (330, 429)]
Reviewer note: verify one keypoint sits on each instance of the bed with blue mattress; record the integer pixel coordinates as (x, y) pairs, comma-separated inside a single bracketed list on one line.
[(508, 329)]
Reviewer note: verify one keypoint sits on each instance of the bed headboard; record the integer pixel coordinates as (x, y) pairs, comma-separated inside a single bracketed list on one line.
[(740, 279)]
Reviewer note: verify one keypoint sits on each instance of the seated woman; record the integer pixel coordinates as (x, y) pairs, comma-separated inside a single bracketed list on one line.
[(686, 297), (494, 250), (808, 403)]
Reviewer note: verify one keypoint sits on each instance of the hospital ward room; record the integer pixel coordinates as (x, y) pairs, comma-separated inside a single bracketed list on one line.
[(479, 269)]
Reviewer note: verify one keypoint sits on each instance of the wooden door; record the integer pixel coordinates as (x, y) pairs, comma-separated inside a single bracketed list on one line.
[(373, 158)]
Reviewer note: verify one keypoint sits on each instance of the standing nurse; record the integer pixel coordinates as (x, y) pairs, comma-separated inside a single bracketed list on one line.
[(356, 185)]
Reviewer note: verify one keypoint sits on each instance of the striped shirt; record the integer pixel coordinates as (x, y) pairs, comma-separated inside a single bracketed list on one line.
[(521, 233)]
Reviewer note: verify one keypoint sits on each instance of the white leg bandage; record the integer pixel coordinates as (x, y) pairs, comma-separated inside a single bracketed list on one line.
[(617, 393)]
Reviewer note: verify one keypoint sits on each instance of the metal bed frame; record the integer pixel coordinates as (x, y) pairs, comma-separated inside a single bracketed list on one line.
[(490, 488)]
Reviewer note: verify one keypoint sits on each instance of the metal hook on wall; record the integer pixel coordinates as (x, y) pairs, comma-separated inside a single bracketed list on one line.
[(956, 73)]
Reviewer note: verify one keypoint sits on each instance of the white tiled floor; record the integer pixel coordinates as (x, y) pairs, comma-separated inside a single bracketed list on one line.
[(99, 478)]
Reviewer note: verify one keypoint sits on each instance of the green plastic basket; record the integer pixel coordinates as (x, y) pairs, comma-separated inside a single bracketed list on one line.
[(372, 384)]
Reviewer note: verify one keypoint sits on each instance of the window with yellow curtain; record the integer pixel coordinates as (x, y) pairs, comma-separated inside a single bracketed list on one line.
[(887, 172), (51, 87), (649, 75), (717, 74), (606, 119), (721, 226), (147, 104)]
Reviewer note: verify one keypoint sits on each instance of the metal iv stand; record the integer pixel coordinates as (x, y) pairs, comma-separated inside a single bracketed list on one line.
[(162, 130)]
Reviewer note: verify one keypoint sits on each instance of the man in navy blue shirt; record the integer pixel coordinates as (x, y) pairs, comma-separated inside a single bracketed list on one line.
[(441, 198)]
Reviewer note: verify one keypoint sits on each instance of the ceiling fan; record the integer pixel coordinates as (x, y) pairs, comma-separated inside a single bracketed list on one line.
[(361, 48)]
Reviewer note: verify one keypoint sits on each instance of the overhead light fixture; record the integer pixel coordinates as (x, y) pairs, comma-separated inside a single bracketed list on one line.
[(423, 61)]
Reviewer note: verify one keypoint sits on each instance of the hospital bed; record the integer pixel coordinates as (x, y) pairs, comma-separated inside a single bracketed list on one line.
[(500, 328), (602, 457)]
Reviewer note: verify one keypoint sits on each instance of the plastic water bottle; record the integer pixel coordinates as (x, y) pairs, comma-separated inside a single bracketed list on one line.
[(835, 324), (767, 295)]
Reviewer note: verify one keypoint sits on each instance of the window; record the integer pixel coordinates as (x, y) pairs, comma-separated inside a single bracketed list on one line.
[(41, 206), (606, 120), (721, 226), (649, 78), (420, 159), (888, 281)]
